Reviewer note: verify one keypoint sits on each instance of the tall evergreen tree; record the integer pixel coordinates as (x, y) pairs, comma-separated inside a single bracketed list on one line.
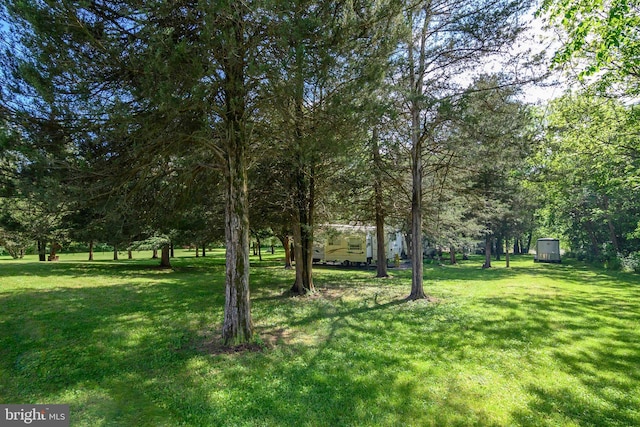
[(442, 40), (157, 79)]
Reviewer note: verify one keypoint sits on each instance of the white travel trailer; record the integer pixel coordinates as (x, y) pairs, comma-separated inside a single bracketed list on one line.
[(354, 245), (547, 250)]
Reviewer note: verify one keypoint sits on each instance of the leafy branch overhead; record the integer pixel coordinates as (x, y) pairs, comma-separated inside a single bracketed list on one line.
[(602, 40)]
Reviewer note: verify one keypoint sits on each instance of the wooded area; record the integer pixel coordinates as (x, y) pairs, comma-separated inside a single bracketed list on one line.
[(146, 124)]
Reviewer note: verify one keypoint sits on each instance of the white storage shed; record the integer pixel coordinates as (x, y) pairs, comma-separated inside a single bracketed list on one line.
[(548, 250)]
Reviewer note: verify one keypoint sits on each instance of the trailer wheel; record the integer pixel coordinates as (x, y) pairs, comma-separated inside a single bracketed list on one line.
[(346, 263)]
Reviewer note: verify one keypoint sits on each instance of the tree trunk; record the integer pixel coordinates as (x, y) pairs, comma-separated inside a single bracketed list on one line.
[(155, 254), (417, 289), (498, 242), (452, 255), (42, 251), (115, 252), (381, 258), (516, 246), (165, 261), (129, 254), (304, 189), (91, 250), (303, 233), (416, 73), (409, 240), (528, 247), (506, 252), (595, 245), (287, 251), (172, 250), (487, 252), (197, 251), (52, 253), (204, 249), (237, 327)]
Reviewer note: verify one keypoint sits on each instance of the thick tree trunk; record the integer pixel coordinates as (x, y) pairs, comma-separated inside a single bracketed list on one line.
[(155, 254), (452, 255), (237, 327), (197, 251), (115, 252), (91, 250), (172, 251), (381, 256), (516, 246), (303, 235), (129, 254), (304, 192), (165, 261), (204, 249), (487, 252), (417, 289)]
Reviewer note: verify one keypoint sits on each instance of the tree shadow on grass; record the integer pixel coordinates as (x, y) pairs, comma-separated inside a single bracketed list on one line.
[(125, 268), (128, 354), (586, 328), (95, 347)]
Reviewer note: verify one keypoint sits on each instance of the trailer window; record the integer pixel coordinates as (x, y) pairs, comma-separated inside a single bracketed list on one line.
[(355, 246)]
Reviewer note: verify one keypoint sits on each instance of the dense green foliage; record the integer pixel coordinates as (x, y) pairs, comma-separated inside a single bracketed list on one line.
[(129, 344), (590, 173)]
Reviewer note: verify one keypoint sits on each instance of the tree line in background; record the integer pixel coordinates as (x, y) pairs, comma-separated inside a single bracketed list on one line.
[(146, 124)]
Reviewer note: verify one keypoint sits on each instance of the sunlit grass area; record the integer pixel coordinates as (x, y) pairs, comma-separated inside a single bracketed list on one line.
[(128, 344)]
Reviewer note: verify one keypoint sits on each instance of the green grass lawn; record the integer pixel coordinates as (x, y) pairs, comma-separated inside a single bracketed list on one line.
[(128, 344)]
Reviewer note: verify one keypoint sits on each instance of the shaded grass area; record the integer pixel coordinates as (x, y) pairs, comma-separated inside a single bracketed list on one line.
[(125, 343)]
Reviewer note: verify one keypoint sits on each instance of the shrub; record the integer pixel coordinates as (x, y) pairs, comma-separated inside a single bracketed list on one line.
[(630, 263)]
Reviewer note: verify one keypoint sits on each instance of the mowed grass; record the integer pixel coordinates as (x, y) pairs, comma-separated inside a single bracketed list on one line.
[(128, 344)]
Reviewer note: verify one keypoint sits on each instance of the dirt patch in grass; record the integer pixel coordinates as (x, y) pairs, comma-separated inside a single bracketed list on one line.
[(210, 342), (217, 347), (427, 299)]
